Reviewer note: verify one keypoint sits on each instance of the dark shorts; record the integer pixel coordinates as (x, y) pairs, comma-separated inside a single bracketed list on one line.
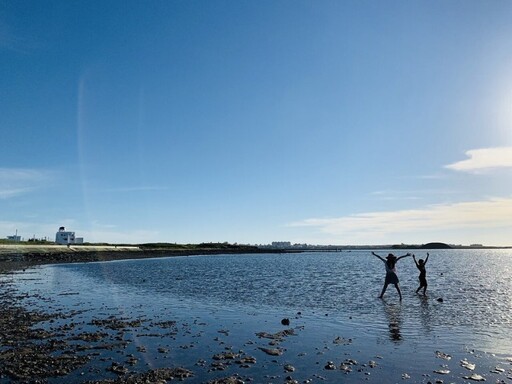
[(423, 281)]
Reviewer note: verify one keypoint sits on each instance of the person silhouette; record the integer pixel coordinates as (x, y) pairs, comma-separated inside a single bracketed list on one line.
[(391, 276), (420, 264)]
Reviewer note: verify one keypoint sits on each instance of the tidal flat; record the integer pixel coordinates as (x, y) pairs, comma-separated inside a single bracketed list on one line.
[(274, 318)]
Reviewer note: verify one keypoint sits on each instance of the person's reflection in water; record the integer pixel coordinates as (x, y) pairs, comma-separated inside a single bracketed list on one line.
[(425, 314), (394, 315)]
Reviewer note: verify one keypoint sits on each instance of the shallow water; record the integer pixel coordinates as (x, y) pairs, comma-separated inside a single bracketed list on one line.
[(334, 292)]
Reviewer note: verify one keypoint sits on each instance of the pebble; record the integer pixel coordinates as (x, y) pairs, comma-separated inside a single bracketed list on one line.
[(466, 364)]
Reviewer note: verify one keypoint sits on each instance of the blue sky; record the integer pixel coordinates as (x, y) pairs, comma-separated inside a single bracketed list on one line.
[(323, 122)]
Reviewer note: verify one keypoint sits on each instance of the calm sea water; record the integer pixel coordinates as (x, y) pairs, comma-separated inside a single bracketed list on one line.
[(335, 293)]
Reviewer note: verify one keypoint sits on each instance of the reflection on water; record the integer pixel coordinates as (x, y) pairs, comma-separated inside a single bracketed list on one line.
[(425, 313), (393, 312), (476, 287)]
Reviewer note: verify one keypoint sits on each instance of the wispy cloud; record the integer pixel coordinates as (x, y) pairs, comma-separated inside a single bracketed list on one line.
[(18, 181), (484, 159), (491, 213), (402, 195)]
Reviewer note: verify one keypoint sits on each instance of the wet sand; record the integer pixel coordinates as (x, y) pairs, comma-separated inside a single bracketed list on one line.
[(42, 342)]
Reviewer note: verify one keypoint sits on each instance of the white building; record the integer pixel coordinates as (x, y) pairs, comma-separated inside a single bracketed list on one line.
[(67, 237)]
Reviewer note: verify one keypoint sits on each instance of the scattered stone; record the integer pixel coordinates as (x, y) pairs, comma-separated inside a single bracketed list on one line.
[(272, 351), (225, 356), (474, 377), (466, 364), (118, 369), (132, 361), (285, 321), (166, 324), (218, 366), (227, 380), (278, 336), (443, 355), (442, 371), (245, 361), (330, 366), (341, 341), (289, 368), (161, 375), (115, 323)]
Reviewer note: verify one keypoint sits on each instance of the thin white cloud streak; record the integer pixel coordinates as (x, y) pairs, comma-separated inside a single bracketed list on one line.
[(483, 159), (6, 193), (485, 215), (17, 181)]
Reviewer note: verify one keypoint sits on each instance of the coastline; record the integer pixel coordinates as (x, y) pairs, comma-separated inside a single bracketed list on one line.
[(42, 341), (30, 354), (20, 256)]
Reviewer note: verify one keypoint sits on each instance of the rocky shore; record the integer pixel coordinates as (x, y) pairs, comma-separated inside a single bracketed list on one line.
[(33, 352), (29, 354), (56, 346)]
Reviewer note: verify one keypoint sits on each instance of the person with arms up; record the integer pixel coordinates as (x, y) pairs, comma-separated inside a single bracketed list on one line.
[(391, 276), (420, 264)]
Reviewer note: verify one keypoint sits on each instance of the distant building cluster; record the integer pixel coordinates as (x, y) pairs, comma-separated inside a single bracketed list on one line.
[(281, 244), (287, 245), (62, 237)]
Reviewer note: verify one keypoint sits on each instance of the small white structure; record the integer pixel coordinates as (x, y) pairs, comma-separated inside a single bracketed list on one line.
[(66, 237), (15, 237)]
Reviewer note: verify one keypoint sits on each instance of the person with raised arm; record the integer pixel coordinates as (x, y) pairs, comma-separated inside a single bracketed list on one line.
[(391, 276), (420, 264)]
